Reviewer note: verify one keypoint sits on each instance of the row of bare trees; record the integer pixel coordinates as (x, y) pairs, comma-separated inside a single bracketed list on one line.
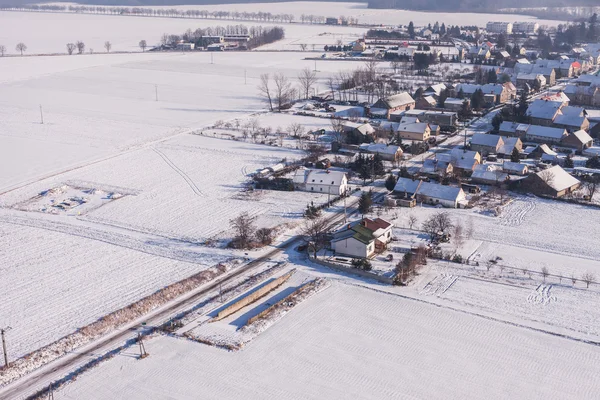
[(151, 12), (20, 47), (79, 46)]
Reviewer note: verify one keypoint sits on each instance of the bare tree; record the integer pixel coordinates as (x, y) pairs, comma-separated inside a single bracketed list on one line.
[(573, 278), (588, 278), (80, 47), (295, 130), (314, 231), (244, 228), (458, 236), (264, 235), (71, 48), (545, 273), (338, 127), (2, 49), (470, 228), (143, 45), (591, 186), (265, 90), (437, 224), (21, 47), (307, 79), (303, 47), (283, 90), (412, 220), (395, 66), (107, 46), (331, 82)]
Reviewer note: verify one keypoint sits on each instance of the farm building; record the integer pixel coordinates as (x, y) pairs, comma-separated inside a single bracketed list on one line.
[(387, 152), (486, 144), (401, 101), (430, 193), (554, 181)]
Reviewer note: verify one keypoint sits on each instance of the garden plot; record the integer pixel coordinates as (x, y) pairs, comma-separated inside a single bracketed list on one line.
[(237, 329), (354, 342), (71, 199)]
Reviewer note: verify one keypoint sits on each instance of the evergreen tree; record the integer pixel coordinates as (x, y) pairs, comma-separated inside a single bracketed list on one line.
[(411, 30), (514, 156), (496, 121), (492, 76), (477, 100), (365, 203), (443, 29), (390, 182), (461, 94), (569, 162), (442, 98), (377, 165)]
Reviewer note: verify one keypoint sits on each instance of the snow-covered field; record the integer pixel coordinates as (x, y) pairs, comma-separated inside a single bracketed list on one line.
[(126, 32), (349, 341)]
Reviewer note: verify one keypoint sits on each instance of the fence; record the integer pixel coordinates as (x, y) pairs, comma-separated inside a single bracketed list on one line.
[(355, 271), (251, 298)]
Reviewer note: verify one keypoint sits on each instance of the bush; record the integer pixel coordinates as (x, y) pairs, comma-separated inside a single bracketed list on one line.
[(362, 263), (457, 259)]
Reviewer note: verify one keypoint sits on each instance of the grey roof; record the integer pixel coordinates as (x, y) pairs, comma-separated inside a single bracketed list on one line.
[(320, 176), (397, 100), (569, 120), (514, 167), (508, 126), (582, 136), (441, 192), (545, 132), (415, 127), (573, 111), (483, 139), (560, 179), (509, 145), (544, 109), (407, 185)]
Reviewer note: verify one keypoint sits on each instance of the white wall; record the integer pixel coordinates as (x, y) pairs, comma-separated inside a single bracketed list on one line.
[(352, 247)]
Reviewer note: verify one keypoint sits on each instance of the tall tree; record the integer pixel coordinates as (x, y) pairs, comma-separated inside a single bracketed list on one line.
[(283, 90), (390, 182), (365, 203), (411, 30), (71, 48), (21, 47), (143, 45), (307, 79), (264, 89), (107, 46), (80, 46), (2, 50)]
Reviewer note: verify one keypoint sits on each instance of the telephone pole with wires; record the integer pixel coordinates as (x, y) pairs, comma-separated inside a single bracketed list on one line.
[(143, 353), (2, 333)]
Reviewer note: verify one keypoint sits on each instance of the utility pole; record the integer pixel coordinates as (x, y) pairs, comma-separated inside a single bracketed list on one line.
[(345, 212), (221, 292), (315, 65), (211, 58), (2, 332), (41, 115), (245, 77), (51, 393), (156, 92), (143, 353)]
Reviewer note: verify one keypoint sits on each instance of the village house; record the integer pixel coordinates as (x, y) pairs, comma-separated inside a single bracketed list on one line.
[(573, 121), (435, 90), (554, 181), (579, 140), (358, 130), (430, 193), (543, 112), (530, 81), (514, 168), (559, 96), (510, 143), (441, 118), (489, 175), (455, 104), (545, 134), (486, 144), (463, 161), (497, 92), (419, 131), (435, 168), (362, 239), (401, 101), (387, 152), (324, 181), (426, 102), (541, 152)]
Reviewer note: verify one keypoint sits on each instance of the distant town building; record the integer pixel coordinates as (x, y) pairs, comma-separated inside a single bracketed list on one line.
[(499, 27), (525, 27)]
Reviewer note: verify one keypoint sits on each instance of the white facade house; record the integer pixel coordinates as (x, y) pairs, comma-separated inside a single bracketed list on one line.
[(321, 181), (362, 239)]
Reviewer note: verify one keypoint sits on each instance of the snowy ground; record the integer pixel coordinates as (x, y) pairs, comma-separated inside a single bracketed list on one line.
[(352, 341), (126, 32)]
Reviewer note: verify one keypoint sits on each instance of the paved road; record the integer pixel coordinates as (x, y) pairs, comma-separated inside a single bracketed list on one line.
[(42, 377)]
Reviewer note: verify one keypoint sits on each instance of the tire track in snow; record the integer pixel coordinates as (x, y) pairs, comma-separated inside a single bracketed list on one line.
[(185, 176), (517, 212), (541, 295), (439, 285)]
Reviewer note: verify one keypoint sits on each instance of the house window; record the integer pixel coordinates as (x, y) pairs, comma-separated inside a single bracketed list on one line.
[(312, 188), (313, 180), (321, 189), (332, 182)]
